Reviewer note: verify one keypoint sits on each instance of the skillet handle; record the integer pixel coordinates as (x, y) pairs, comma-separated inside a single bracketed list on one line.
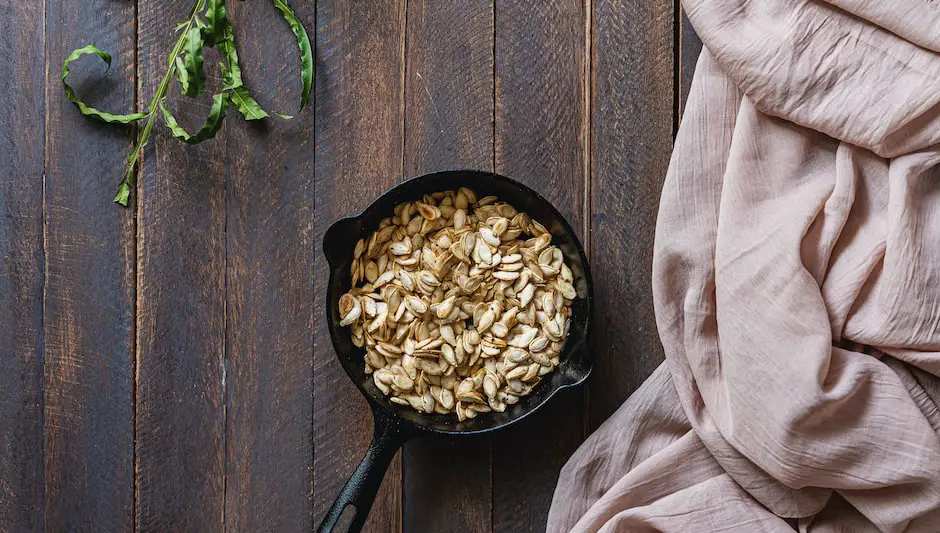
[(359, 493)]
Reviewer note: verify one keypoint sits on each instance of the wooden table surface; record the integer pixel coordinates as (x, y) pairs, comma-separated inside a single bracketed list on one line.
[(166, 367)]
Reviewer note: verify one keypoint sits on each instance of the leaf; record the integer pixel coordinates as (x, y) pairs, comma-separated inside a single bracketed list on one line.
[(306, 52), (123, 193), (285, 117), (209, 129), (216, 22), (233, 75), (182, 75), (249, 108), (82, 106), (207, 26), (194, 63), (232, 79)]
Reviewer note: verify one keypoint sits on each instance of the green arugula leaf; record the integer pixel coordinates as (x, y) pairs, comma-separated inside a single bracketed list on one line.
[(208, 130), (306, 52), (232, 75), (206, 26), (250, 109), (195, 71), (182, 75), (216, 22), (143, 136), (284, 116), (86, 109), (123, 194), (232, 79)]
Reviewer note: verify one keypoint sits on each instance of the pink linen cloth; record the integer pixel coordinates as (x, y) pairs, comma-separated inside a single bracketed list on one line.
[(796, 277)]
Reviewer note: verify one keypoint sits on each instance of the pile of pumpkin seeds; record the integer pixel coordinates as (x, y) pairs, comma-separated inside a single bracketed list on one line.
[(461, 303)]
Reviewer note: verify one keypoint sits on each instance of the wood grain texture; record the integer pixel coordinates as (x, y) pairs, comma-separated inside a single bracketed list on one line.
[(632, 125), (269, 296), (449, 85), (89, 301), (22, 85), (448, 124), (540, 138), (358, 155), (244, 420), (690, 46), (180, 307)]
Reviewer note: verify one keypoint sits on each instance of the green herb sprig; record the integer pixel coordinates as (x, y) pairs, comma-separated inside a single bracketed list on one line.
[(207, 27)]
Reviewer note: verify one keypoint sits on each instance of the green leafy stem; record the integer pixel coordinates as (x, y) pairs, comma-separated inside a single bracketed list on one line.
[(207, 27)]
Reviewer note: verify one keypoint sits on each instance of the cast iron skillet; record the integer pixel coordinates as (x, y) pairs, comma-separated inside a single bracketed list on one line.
[(395, 424)]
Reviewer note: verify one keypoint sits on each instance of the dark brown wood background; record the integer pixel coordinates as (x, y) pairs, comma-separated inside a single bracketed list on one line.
[(166, 367)]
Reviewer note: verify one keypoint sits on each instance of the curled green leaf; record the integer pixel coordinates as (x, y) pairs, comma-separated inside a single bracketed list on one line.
[(306, 51), (208, 130), (206, 26), (86, 109), (193, 62)]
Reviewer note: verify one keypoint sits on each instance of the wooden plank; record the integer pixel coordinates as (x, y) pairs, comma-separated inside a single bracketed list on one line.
[(631, 141), (449, 86), (180, 306), (269, 300), (22, 83), (540, 139), (448, 124), (358, 155), (89, 295), (690, 46)]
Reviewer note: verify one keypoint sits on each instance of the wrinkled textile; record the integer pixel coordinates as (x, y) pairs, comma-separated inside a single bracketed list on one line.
[(796, 278)]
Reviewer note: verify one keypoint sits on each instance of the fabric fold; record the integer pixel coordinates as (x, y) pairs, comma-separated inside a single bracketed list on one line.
[(818, 66), (795, 279)]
